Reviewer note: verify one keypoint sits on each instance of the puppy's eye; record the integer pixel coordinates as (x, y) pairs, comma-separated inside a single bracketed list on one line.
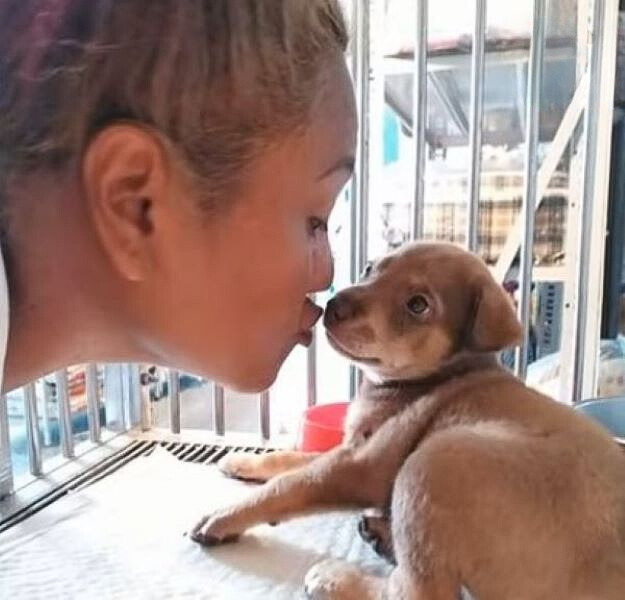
[(367, 270), (418, 305)]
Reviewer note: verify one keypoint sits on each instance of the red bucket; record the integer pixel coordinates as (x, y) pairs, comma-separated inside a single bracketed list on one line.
[(322, 427)]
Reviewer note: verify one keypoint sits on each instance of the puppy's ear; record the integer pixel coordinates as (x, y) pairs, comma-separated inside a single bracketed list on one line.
[(495, 324)]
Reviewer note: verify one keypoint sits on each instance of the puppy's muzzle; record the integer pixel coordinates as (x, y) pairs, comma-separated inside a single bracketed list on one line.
[(342, 308)]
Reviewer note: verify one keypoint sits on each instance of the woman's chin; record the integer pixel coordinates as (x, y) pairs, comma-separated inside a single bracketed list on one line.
[(254, 379)]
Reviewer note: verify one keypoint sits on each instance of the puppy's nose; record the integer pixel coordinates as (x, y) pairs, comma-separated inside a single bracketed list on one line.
[(340, 308)]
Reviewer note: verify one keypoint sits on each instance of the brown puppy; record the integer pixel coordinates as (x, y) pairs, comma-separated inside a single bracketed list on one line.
[(483, 482)]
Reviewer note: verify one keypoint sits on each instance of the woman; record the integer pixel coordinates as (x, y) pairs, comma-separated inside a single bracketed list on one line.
[(167, 169)]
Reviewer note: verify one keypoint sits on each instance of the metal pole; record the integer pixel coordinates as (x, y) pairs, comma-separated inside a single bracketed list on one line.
[(47, 401), (93, 402), (532, 107), (6, 467), (33, 436), (65, 414), (478, 66), (219, 413), (174, 400), (360, 182), (419, 115), (264, 415), (591, 126), (312, 370)]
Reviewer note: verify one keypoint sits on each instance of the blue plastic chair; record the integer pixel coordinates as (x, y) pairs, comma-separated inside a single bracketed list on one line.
[(609, 412)]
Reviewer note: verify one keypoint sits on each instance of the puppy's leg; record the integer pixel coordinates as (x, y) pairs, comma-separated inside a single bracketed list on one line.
[(333, 480), (262, 467), (345, 477)]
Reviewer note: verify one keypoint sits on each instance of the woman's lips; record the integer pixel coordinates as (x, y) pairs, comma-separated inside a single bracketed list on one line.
[(310, 315)]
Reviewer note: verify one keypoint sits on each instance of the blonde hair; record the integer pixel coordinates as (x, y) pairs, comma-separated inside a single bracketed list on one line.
[(219, 79)]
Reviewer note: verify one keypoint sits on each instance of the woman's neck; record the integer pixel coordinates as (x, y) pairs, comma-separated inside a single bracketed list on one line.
[(62, 311)]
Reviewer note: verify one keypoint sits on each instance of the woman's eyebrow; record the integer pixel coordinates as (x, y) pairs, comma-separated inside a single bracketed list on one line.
[(346, 163)]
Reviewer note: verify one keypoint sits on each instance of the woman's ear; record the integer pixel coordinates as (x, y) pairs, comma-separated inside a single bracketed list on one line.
[(124, 179), (495, 324)]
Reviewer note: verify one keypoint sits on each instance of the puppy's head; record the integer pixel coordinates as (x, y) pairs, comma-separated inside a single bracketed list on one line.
[(416, 309)]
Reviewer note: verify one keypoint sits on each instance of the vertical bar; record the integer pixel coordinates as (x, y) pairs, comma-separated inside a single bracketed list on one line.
[(65, 414), (135, 397), (93, 402), (311, 370), (173, 381), (360, 182), (532, 106), (145, 381), (419, 115), (478, 65), (595, 112), (47, 401), (264, 412), (219, 413), (33, 436), (6, 468)]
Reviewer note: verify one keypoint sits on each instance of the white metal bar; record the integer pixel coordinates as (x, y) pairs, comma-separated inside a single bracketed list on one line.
[(145, 381), (93, 402), (6, 467), (47, 401), (65, 413), (419, 115), (360, 182), (264, 414), (173, 383), (219, 413), (561, 140), (534, 87), (593, 210), (33, 436), (359, 194), (311, 370), (478, 65)]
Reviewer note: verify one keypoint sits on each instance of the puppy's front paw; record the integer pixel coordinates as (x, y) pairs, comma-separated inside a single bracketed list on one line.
[(335, 580), (218, 528), (241, 465)]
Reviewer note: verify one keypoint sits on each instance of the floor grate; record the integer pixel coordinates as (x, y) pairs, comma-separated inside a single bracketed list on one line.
[(207, 454)]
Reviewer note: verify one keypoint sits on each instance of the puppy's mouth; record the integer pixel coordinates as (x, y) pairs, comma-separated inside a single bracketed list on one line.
[(341, 349)]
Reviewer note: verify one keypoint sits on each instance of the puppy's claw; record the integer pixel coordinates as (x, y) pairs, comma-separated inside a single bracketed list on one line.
[(213, 530)]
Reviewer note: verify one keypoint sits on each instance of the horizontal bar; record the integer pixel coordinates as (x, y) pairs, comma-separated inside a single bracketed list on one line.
[(219, 412), (65, 413), (478, 66), (174, 400), (93, 402), (264, 415), (33, 436)]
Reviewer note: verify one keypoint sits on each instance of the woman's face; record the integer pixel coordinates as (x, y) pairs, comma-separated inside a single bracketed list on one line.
[(232, 299)]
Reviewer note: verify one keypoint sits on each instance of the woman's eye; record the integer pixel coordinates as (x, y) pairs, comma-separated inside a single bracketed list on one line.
[(316, 224), (418, 304)]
